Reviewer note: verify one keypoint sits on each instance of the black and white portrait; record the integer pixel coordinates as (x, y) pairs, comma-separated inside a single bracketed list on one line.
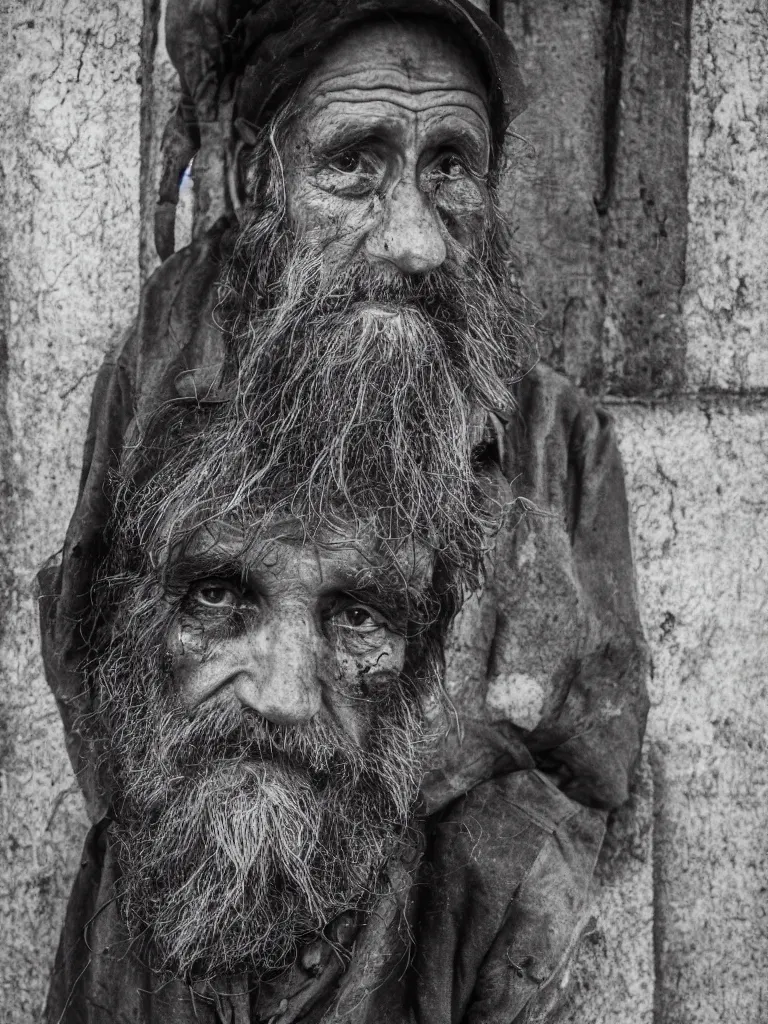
[(384, 448)]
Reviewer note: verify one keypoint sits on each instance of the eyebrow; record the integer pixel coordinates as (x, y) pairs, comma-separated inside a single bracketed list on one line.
[(186, 567), (385, 584), (345, 134)]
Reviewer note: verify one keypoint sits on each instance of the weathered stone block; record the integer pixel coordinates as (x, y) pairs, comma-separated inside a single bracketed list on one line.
[(596, 187), (555, 171), (697, 488), (726, 298)]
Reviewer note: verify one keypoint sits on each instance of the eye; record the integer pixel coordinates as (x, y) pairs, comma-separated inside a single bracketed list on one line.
[(450, 166), (353, 172), (349, 162), (450, 171), (215, 594), (357, 617)]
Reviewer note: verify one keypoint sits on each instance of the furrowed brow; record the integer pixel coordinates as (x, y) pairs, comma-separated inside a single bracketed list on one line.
[(345, 135), (387, 587), (186, 567)]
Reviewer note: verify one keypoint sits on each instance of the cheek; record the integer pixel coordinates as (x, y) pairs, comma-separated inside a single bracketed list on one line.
[(358, 669), (464, 207), (197, 660), (186, 644), (357, 676), (333, 223), (185, 647)]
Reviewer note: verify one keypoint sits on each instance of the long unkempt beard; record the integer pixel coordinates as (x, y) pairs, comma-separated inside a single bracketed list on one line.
[(352, 394), (239, 839), (363, 392)]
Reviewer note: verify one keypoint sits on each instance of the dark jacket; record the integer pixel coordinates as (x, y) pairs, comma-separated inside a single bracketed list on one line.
[(479, 922)]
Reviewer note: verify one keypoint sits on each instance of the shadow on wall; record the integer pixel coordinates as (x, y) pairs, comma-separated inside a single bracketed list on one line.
[(597, 187)]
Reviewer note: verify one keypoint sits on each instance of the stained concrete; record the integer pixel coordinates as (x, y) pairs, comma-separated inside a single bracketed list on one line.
[(697, 477), (555, 158), (681, 931), (596, 188), (726, 296)]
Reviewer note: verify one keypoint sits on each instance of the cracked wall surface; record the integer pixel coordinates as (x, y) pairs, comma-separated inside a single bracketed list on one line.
[(648, 257), (726, 295), (697, 476), (70, 158)]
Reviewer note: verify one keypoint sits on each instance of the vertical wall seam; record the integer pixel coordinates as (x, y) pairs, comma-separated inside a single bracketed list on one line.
[(7, 489), (687, 42), (148, 114), (614, 53), (615, 50), (655, 757)]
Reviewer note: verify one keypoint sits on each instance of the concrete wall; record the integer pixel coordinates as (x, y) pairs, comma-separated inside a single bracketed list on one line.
[(69, 152), (638, 191)]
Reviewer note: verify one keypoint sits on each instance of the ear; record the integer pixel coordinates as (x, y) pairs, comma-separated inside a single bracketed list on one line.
[(245, 136)]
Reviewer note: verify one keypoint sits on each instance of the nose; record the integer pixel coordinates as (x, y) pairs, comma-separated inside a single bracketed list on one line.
[(408, 234), (278, 677)]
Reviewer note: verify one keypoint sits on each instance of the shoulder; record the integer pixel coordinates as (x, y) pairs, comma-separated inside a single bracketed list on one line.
[(493, 856), (174, 317), (496, 831), (547, 401), (555, 435)]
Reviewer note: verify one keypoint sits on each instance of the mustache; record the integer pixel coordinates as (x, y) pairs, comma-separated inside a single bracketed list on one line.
[(362, 282), (240, 738), (303, 282)]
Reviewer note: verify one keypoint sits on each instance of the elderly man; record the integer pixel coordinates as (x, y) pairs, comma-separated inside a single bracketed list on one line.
[(365, 336)]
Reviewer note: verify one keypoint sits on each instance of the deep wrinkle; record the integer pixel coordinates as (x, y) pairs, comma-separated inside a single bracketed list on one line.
[(316, 614), (413, 112)]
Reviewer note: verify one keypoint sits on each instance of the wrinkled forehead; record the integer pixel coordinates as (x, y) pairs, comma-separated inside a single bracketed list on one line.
[(329, 555), (417, 63)]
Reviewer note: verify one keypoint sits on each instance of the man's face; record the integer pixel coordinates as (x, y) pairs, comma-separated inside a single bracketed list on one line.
[(264, 740), (296, 631), (390, 152)]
